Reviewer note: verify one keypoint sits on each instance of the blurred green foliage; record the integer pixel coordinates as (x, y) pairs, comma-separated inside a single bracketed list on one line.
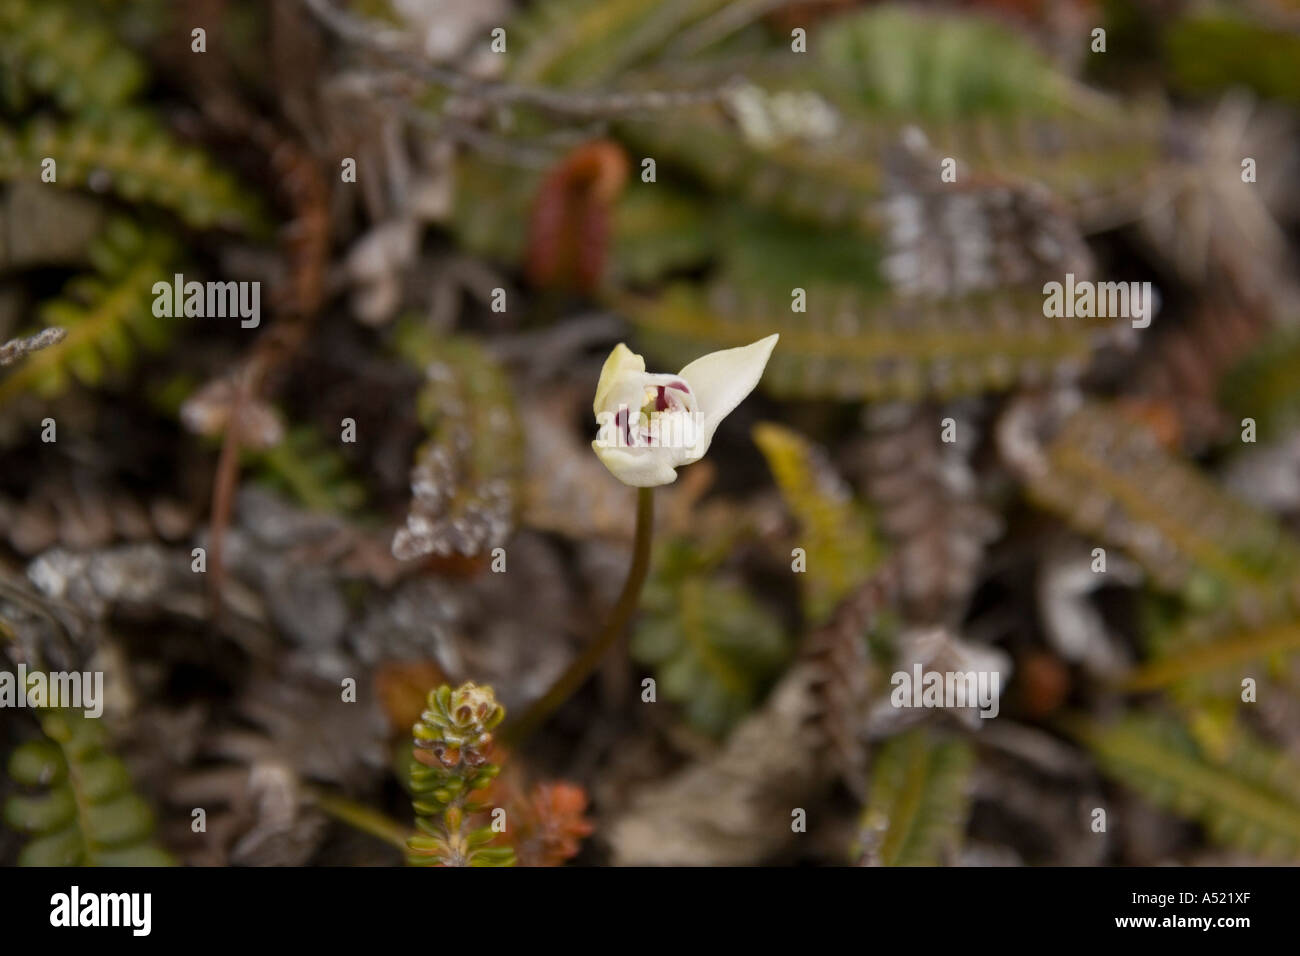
[(713, 648), (83, 811), (1247, 798), (916, 810), (310, 470), (1214, 52), (835, 532), (108, 314)]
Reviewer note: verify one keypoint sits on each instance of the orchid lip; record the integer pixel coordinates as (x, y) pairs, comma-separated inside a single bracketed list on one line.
[(662, 400), (673, 426)]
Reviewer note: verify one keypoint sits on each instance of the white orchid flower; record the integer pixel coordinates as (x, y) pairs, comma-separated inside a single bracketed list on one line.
[(652, 423)]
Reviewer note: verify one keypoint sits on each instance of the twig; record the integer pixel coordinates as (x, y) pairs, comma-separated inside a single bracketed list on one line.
[(392, 44), (487, 144), (722, 24), (582, 668), (223, 488), (16, 349), (306, 244)]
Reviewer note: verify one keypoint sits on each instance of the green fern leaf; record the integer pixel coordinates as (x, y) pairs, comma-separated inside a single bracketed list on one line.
[(1109, 477), (1248, 800), (1205, 655), (713, 648), (105, 314), (1100, 164), (51, 49), (985, 94), (87, 814), (837, 184), (970, 89), (834, 530), (131, 154), (918, 803), (893, 60), (857, 346)]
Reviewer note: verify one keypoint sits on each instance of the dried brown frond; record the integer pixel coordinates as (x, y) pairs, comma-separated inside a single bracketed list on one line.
[(928, 504), (843, 681)]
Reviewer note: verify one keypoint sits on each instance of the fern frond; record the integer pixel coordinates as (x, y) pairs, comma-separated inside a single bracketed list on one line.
[(1109, 477), (894, 60), (975, 90), (54, 50), (857, 346), (712, 646), (929, 509), (1099, 167), (1097, 162), (466, 477), (937, 245), (88, 814), (1248, 800), (836, 184), (844, 675), (835, 532), (450, 769), (986, 95), (1206, 655), (916, 812), (131, 154), (105, 314)]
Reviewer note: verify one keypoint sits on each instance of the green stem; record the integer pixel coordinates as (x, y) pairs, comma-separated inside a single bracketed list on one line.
[(587, 661), (361, 818)]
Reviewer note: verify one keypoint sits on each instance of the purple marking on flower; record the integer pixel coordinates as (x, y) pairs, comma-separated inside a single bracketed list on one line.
[(621, 422), (661, 400)]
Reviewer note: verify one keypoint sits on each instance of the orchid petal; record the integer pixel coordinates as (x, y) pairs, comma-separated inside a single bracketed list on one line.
[(640, 468), (721, 381), (620, 380)]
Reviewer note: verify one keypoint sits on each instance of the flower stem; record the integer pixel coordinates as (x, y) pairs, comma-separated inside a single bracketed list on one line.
[(578, 672), (361, 817)]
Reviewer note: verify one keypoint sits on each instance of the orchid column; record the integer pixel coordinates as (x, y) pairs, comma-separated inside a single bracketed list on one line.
[(650, 424)]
